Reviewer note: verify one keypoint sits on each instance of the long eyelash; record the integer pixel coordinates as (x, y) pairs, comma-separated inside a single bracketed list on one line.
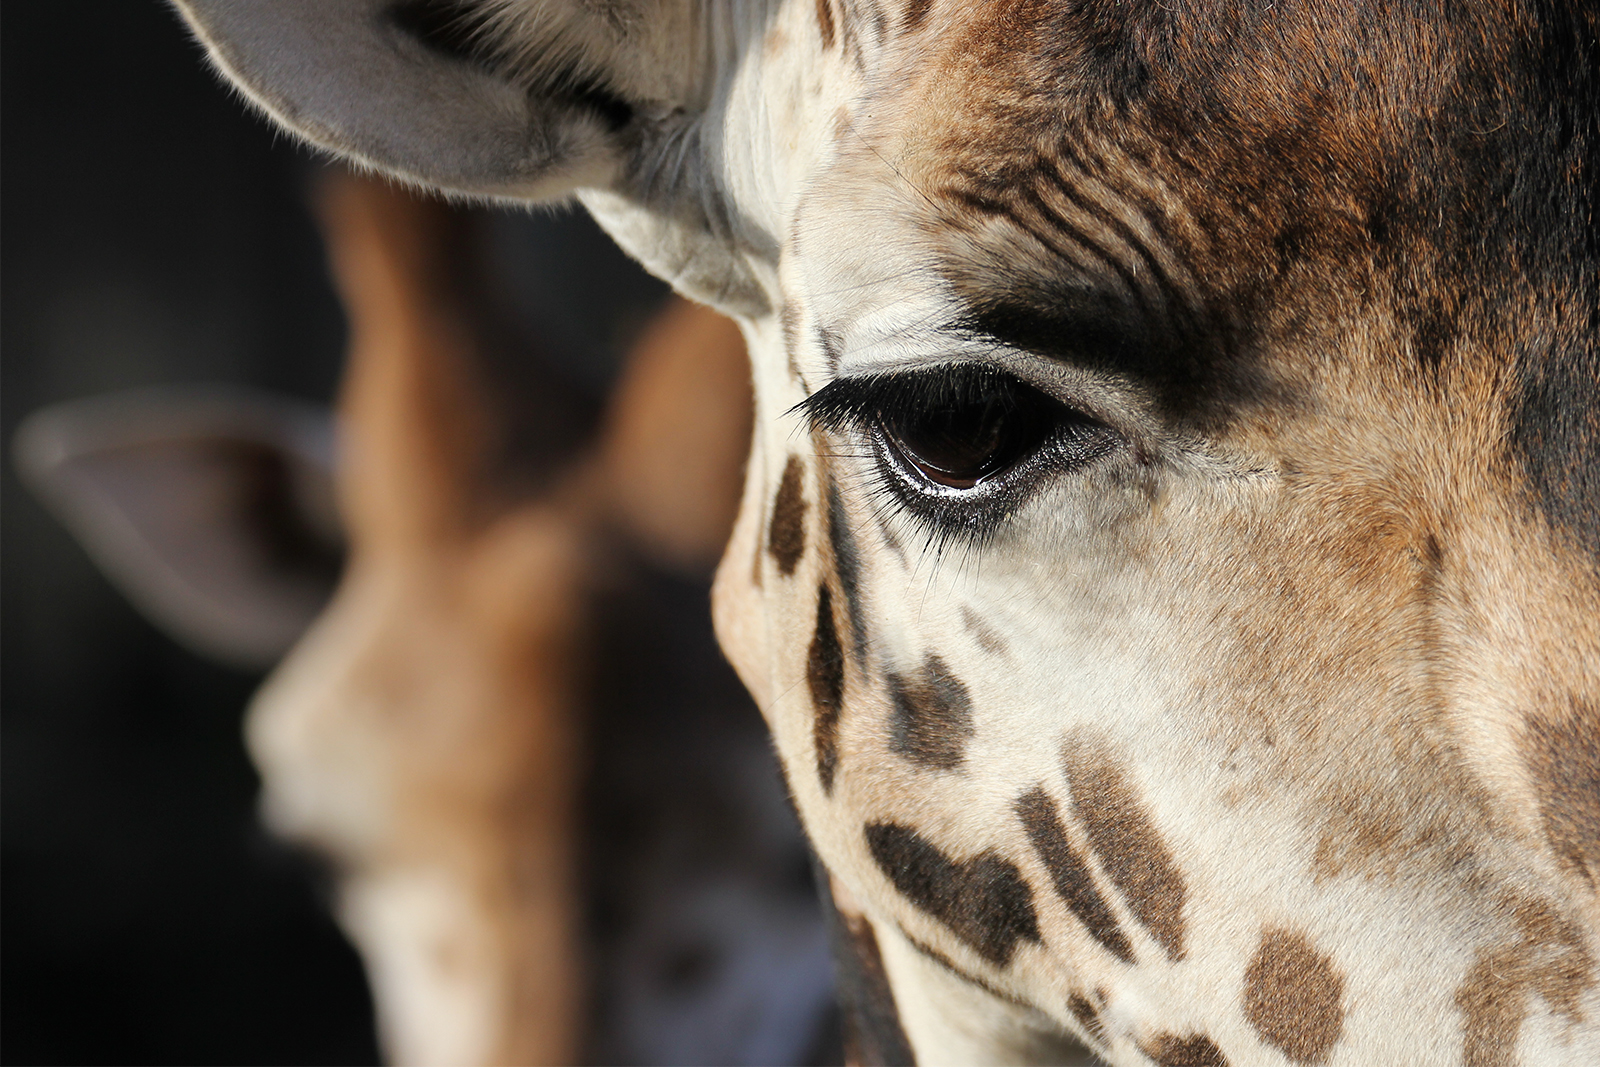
[(937, 533), (887, 505), (862, 402), (862, 405)]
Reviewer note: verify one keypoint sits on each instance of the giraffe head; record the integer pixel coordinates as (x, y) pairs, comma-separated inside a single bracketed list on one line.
[(1170, 553)]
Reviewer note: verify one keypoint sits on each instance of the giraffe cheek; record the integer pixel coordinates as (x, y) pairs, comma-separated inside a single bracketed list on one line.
[(738, 604)]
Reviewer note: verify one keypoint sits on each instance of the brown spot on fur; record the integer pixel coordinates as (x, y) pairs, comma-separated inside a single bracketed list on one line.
[(1070, 871), (1170, 1050), (916, 13), (847, 566), (1376, 832), (1084, 1011), (983, 901), (1549, 959), (825, 677), (1563, 755), (981, 632), (1130, 849), (825, 22), (1360, 829), (1293, 996), (1492, 1001), (932, 717), (786, 533), (949, 965)]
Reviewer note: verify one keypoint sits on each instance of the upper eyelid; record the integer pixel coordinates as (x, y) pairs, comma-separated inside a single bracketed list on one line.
[(849, 397), (857, 398)]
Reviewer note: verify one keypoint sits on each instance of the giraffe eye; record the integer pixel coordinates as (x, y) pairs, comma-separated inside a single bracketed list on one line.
[(960, 446), (974, 434)]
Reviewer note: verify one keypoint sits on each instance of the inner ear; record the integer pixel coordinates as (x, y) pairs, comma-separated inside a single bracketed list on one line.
[(464, 31), (453, 29), (485, 98), (211, 509)]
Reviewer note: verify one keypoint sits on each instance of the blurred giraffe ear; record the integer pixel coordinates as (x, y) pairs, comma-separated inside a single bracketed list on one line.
[(528, 99), (211, 509)]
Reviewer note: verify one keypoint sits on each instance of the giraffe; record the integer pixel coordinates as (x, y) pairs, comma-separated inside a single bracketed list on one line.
[(1168, 556), (428, 734), (447, 736)]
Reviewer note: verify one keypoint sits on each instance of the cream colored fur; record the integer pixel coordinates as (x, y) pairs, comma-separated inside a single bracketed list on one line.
[(1230, 621)]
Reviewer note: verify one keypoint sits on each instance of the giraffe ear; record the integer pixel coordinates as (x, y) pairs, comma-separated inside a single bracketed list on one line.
[(211, 510), (526, 100)]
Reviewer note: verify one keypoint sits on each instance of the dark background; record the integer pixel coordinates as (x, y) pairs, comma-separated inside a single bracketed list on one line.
[(154, 232)]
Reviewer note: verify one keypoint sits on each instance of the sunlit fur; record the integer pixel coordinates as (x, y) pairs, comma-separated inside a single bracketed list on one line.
[(1308, 669)]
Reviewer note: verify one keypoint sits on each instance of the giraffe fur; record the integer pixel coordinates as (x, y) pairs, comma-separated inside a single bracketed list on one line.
[(1246, 713)]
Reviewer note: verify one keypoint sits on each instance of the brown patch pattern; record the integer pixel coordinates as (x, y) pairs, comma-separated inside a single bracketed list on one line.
[(847, 567), (825, 678), (949, 965), (1549, 959), (931, 719), (1195, 1050), (1088, 1017), (1293, 996), (983, 901), (1131, 851), (981, 632), (1563, 755), (825, 23), (786, 533), (1070, 872)]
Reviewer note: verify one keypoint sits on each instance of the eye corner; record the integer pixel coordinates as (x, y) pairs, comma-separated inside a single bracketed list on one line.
[(858, 403)]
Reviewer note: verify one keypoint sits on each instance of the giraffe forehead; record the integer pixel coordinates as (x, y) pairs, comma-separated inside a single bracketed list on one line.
[(1201, 227)]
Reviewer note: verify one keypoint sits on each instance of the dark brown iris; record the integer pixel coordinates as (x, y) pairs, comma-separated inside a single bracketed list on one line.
[(960, 443)]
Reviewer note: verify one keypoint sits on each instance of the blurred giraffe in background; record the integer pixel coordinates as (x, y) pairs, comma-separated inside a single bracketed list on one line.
[(517, 895)]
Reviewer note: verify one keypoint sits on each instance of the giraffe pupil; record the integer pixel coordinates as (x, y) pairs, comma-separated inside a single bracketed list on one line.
[(973, 436)]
